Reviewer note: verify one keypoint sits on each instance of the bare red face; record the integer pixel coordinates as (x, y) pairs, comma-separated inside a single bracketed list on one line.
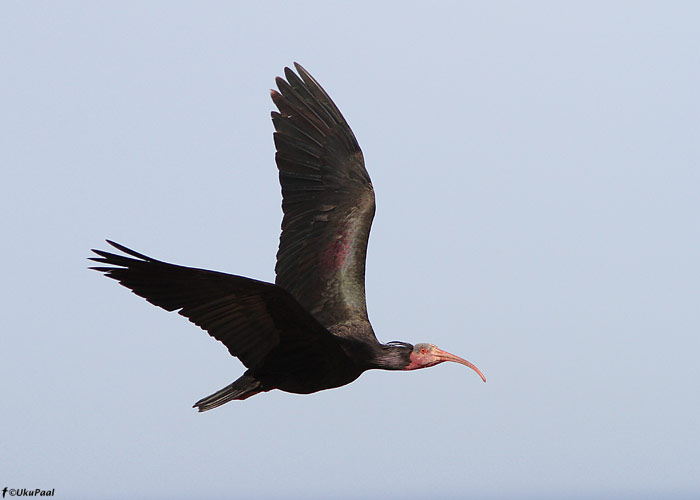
[(425, 355)]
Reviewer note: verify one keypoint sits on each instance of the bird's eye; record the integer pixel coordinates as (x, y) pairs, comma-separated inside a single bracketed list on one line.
[(422, 350)]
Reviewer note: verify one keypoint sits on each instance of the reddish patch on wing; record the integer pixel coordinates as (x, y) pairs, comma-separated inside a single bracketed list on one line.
[(336, 254)]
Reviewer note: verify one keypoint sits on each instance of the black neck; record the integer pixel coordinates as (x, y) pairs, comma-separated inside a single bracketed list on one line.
[(391, 356), (373, 355)]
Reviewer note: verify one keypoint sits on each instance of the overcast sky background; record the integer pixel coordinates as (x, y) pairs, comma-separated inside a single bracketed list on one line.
[(536, 167)]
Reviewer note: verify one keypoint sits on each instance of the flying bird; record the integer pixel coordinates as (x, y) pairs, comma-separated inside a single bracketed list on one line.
[(309, 331)]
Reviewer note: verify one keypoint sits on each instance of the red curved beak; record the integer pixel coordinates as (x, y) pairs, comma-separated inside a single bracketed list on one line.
[(446, 356)]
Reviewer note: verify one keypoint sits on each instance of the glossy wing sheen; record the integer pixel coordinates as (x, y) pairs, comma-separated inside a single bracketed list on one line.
[(328, 205), (251, 318)]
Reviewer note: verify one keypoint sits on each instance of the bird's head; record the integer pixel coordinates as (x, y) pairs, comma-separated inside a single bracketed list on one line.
[(425, 355)]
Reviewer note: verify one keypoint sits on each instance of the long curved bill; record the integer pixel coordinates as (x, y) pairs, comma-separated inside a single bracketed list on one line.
[(446, 356)]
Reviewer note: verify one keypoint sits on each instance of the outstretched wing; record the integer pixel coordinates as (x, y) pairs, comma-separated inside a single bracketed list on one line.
[(251, 318), (328, 204)]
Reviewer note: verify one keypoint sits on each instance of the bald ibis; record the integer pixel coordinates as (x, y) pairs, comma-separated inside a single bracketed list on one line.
[(309, 331)]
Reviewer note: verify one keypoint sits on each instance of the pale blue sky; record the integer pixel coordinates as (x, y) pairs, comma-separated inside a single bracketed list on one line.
[(536, 167)]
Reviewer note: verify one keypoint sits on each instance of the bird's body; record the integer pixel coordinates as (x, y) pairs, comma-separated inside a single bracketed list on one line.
[(310, 330)]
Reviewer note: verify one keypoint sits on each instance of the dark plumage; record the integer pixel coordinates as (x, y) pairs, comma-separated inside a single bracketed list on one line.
[(309, 331)]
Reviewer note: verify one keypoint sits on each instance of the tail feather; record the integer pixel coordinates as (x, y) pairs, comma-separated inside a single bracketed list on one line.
[(243, 388)]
